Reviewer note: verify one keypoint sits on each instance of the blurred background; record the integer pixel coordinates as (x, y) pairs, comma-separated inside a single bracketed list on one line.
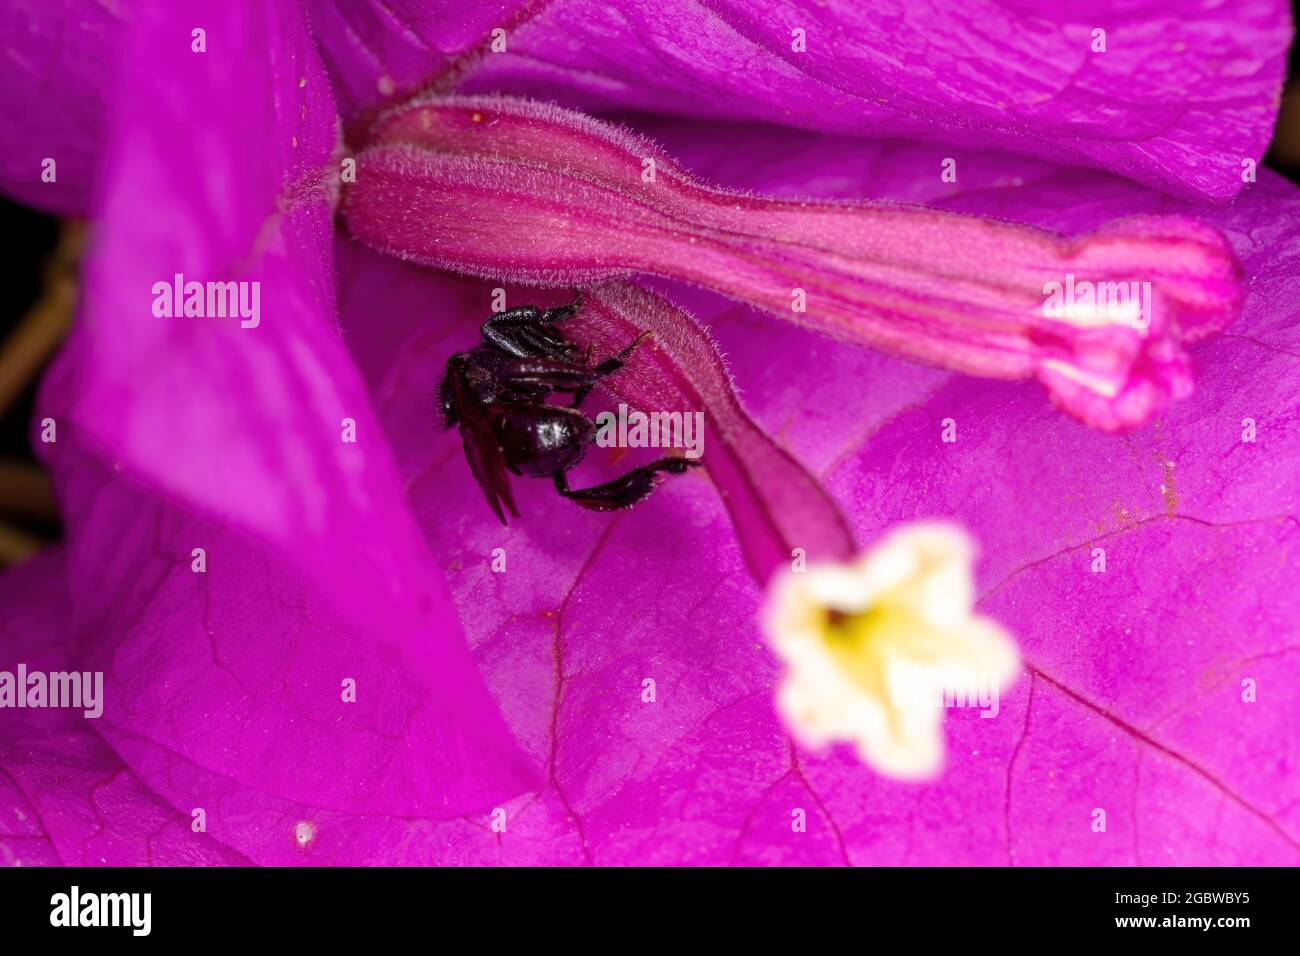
[(36, 312)]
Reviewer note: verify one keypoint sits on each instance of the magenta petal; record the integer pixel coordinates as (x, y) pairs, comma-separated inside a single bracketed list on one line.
[(58, 63), (245, 426), (376, 50), (1183, 94), (1135, 702), (442, 176), (705, 774), (1149, 583), (65, 797)]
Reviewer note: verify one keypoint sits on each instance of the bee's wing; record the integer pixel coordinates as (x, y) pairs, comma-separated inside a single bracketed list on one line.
[(484, 454)]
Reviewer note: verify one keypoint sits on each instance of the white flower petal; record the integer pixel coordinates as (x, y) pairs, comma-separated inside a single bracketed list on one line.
[(875, 649)]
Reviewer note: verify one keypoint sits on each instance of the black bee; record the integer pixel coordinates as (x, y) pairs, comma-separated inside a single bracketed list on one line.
[(496, 394)]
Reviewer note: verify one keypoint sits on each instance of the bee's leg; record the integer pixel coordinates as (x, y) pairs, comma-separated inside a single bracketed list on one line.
[(561, 312), (524, 333), (520, 313), (622, 492), (610, 366)]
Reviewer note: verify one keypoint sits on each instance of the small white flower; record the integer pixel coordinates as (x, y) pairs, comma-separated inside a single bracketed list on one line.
[(871, 646)]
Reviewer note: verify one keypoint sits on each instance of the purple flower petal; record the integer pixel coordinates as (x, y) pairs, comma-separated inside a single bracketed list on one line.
[(243, 430), (1182, 95), (705, 774), (57, 64), (65, 797), (376, 51), (1134, 705), (1180, 98)]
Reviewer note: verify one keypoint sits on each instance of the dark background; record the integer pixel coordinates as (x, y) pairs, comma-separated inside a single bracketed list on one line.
[(31, 236), (31, 240)]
